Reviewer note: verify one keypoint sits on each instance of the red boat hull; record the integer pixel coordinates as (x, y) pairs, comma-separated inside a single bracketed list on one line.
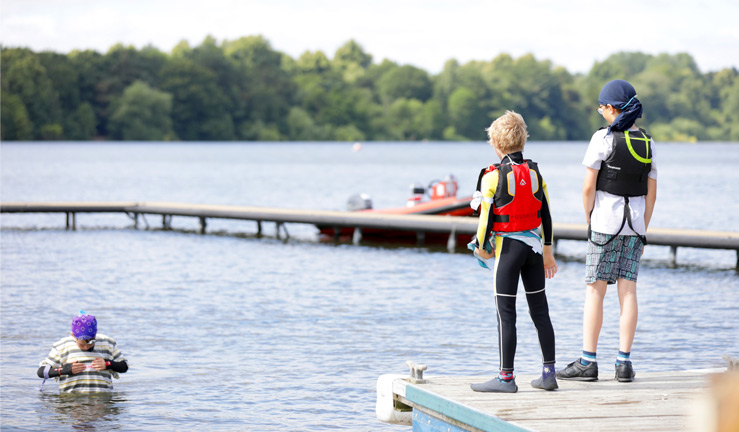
[(444, 206)]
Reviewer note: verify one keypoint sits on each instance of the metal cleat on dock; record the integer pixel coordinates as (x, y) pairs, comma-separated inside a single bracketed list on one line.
[(416, 373)]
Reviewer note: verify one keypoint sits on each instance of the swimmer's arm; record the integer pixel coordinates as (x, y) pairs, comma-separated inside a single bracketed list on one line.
[(55, 372), (116, 366), (120, 367)]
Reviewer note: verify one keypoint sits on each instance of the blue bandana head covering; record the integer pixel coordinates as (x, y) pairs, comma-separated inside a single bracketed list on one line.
[(84, 326), (620, 94)]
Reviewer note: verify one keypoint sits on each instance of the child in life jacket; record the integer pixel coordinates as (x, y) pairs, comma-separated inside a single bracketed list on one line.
[(514, 218), (619, 193), (85, 361)]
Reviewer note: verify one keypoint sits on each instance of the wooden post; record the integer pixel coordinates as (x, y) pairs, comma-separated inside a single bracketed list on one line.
[(167, 222), (67, 224), (203, 224), (357, 236), (673, 256), (284, 228), (451, 243), (259, 228)]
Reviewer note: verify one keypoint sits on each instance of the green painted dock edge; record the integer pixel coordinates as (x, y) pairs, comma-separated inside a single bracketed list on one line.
[(452, 414)]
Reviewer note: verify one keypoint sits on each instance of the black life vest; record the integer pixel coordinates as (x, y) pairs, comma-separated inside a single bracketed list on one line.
[(518, 197), (625, 171)]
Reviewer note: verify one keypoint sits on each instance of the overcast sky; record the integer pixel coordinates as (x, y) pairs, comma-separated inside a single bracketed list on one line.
[(424, 33)]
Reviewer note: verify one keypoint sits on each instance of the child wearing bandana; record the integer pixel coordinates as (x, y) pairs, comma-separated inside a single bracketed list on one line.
[(85, 361), (619, 193)]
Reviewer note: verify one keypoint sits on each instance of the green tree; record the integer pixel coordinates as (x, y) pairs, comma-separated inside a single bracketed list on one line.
[(351, 53), (467, 119), (199, 107), (81, 124), (142, 114), (25, 77), (352, 61), (406, 82), (16, 126), (266, 91)]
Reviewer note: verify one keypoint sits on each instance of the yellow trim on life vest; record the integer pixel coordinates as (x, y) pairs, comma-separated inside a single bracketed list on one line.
[(646, 159)]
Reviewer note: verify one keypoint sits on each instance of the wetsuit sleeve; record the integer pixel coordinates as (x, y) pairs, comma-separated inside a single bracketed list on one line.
[(547, 233), (53, 373), (485, 224), (120, 367)]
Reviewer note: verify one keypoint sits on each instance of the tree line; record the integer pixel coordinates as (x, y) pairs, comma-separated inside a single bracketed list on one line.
[(244, 90)]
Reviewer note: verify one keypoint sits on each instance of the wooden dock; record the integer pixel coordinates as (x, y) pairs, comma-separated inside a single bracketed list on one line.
[(453, 226), (663, 401)]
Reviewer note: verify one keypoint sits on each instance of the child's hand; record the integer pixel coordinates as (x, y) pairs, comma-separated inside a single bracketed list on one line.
[(550, 265), (98, 364), (485, 254), (78, 367)]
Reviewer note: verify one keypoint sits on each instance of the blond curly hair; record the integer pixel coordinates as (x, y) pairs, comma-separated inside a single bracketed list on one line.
[(508, 132)]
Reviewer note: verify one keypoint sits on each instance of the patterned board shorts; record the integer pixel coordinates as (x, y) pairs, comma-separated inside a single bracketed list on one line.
[(618, 259)]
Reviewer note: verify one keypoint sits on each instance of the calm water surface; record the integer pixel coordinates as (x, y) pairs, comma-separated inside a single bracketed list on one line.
[(228, 331)]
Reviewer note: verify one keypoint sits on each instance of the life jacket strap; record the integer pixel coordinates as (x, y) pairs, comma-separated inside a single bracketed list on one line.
[(626, 219), (507, 218)]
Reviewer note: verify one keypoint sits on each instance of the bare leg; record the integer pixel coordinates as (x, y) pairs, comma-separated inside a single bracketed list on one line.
[(629, 313), (593, 315)]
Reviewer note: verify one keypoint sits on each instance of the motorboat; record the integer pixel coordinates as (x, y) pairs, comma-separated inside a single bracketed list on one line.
[(438, 197)]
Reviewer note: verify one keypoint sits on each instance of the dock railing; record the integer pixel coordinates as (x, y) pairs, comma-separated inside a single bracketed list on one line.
[(451, 225)]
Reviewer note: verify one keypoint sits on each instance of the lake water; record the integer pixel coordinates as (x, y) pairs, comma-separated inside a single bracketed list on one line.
[(231, 332)]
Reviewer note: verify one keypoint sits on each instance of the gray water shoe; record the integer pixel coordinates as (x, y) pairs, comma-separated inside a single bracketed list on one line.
[(496, 385)]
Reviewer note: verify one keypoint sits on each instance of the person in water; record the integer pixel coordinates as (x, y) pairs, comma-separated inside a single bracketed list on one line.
[(85, 361), (619, 193), (514, 208)]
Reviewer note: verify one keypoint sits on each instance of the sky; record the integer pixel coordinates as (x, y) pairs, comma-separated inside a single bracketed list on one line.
[(425, 33)]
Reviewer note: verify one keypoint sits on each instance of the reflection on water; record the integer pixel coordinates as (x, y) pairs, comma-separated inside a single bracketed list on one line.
[(85, 412)]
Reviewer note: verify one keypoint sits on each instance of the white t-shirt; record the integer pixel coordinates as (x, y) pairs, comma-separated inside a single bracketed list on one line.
[(608, 212)]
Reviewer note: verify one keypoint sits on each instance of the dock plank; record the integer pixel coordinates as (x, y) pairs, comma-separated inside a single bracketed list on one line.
[(654, 401)]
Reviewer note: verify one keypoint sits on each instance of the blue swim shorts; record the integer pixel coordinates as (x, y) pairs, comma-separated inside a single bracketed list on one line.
[(618, 259)]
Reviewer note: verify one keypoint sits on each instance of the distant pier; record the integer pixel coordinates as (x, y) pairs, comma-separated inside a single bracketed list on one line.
[(452, 226)]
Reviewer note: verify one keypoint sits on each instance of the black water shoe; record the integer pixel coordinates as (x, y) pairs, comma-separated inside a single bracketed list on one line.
[(625, 372), (577, 371)]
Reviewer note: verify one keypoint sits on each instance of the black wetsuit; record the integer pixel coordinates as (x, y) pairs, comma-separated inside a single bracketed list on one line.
[(514, 258)]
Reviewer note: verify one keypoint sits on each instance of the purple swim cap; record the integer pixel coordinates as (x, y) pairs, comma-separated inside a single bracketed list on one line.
[(84, 326)]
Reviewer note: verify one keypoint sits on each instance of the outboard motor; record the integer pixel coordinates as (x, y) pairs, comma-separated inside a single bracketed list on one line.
[(359, 202), (443, 189), (417, 193)]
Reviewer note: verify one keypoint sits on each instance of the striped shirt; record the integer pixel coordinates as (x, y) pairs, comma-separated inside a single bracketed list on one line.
[(90, 380)]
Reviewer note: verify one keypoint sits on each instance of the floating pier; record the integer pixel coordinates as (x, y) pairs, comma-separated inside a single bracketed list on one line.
[(663, 401), (453, 226)]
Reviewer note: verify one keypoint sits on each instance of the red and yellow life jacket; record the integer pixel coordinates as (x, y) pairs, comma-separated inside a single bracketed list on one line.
[(518, 196)]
